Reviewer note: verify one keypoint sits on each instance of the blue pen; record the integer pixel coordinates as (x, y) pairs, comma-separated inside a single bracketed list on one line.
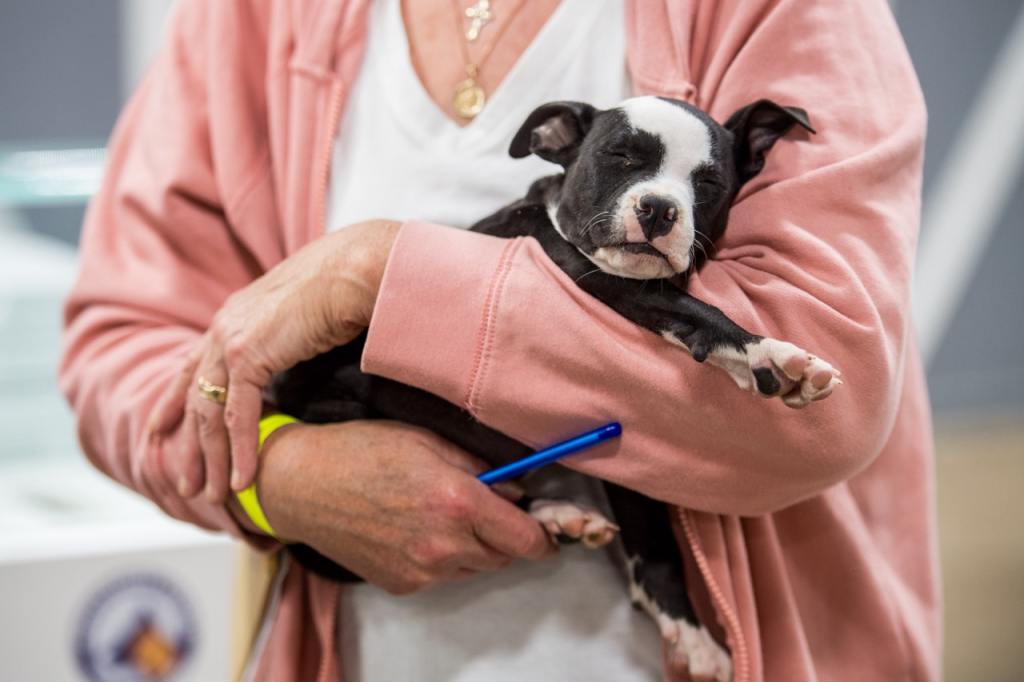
[(551, 454)]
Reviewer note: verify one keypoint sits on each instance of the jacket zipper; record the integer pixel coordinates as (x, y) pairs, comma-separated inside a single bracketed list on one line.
[(324, 161), (741, 660), (319, 219), (320, 211)]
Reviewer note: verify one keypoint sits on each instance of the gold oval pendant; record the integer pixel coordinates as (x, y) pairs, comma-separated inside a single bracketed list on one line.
[(469, 99)]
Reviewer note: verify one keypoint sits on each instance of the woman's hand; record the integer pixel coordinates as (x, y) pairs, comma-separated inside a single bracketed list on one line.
[(393, 503), (320, 297)]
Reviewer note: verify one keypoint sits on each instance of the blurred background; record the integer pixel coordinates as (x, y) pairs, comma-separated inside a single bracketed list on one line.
[(78, 554)]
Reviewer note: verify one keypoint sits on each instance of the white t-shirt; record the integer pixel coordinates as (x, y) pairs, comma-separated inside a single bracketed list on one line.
[(399, 156)]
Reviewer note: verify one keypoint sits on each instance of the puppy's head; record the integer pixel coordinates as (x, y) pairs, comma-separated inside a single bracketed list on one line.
[(647, 180)]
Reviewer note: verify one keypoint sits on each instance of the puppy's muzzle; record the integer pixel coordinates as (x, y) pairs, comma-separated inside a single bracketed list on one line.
[(656, 215)]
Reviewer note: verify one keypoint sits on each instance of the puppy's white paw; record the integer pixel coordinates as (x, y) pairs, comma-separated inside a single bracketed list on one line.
[(692, 649), (778, 368), (688, 646), (802, 378), (563, 519)]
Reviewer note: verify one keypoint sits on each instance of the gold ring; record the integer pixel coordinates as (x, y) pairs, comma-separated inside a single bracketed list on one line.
[(218, 394)]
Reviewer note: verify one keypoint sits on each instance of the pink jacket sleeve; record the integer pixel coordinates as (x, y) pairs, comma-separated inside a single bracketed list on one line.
[(818, 252), (157, 259)]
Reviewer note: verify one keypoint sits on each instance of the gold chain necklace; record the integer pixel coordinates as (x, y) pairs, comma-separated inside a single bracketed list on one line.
[(469, 98)]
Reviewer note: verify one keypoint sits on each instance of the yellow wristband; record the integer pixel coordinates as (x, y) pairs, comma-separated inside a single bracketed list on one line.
[(247, 498)]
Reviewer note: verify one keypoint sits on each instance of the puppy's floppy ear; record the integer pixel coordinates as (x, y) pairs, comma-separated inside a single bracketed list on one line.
[(553, 132), (756, 127)]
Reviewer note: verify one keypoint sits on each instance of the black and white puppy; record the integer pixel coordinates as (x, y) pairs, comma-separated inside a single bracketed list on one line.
[(645, 191)]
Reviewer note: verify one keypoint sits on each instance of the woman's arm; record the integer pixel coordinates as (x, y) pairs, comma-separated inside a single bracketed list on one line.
[(173, 277), (157, 260), (818, 252), (345, 489)]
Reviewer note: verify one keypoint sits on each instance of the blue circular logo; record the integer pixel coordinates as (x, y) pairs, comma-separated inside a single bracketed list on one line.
[(137, 628)]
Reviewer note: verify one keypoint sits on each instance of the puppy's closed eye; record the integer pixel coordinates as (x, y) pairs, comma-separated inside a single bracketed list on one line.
[(708, 181), (623, 158)]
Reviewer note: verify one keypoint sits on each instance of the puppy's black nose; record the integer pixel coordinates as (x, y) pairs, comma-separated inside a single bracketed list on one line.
[(656, 215)]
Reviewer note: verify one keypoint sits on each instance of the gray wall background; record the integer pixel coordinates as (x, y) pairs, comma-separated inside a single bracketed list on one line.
[(61, 66)]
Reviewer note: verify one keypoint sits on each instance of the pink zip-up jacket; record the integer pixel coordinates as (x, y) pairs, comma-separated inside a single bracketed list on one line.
[(810, 534)]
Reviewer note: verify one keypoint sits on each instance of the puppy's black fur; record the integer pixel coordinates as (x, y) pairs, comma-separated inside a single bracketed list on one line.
[(602, 154)]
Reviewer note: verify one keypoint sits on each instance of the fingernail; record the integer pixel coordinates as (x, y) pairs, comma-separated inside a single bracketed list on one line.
[(183, 486), (210, 493), (236, 480)]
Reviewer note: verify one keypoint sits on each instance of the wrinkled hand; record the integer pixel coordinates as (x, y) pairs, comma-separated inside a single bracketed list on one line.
[(393, 503), (320, 297)]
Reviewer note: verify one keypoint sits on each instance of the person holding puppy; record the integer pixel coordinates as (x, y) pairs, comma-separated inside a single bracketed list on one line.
[(253, 215)]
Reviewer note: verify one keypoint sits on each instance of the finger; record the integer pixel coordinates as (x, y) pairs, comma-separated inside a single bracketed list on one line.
[(150, 483), (184, 467), (170, 410), (508, 529), (212, 434), (213, 439), (185, 462), (241, 416), (156, 479)]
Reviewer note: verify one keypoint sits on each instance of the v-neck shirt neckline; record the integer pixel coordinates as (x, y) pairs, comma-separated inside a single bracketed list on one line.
[(399, 156), (553, 44)]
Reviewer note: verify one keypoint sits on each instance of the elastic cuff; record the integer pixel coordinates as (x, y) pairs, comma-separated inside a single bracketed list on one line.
[(435, 305)]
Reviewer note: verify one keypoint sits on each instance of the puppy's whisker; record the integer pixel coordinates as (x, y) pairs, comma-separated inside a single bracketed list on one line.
[(595, 221), (590, 221), (689, 267), (706, 240), (591, 272), (702, 250)]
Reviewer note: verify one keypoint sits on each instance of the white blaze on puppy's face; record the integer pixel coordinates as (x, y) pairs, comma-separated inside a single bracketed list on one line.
[(686, 142)]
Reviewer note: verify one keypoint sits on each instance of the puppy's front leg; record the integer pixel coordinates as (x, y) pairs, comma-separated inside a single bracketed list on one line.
[(758, 364)]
